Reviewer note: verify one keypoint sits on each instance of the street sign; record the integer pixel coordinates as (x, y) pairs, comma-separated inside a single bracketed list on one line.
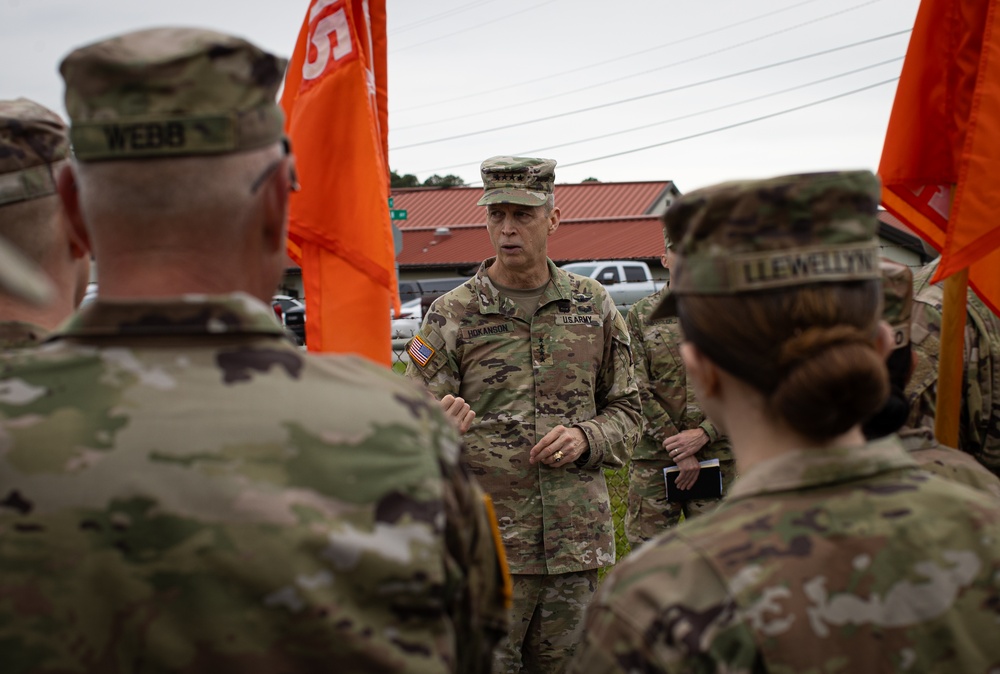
[(390, 202), (397, 214)]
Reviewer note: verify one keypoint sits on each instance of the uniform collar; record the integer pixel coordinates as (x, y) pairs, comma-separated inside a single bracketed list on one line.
[(492, 301), (236, 313), (804, 469)]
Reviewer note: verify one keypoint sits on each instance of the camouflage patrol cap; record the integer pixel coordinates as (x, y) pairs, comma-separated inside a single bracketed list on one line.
[(746, 236), (527, 181), (32, 139), (897, 300), (169, 92)]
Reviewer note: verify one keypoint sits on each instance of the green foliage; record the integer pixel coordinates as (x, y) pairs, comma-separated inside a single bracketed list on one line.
[(444, 181), (410, 180), (618, 490)]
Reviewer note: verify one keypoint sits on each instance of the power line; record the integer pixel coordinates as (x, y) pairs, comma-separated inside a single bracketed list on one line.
[(437, 17), (662, 122), (537, 5), (733, 126), (651, 94), (612, 60), (618, 79), (720, 128)]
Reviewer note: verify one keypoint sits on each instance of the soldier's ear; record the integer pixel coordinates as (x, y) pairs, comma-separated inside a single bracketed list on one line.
[(275, 205), (69, 195)]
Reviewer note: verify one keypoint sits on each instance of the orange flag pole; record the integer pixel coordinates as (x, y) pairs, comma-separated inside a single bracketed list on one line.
[(951, 363), (939, 166), (339, 229)]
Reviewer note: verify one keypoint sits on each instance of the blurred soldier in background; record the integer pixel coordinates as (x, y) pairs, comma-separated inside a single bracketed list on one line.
[(897, 293), (183, 489), (676, 431), (979, 427), (33, 150)]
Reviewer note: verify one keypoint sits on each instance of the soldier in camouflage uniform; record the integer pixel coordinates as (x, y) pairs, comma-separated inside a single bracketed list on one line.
[(828, 553), (33, 150), (542, 356), (181, 488), (979, 428), (676, 430), (897, 293)]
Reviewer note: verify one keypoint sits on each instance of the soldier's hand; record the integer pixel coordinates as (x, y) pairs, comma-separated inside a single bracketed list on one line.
[(689, 472), (685, 444), (560, 447), (458, 412)]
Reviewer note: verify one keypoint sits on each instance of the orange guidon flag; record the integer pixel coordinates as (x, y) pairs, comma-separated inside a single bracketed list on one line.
[(941, 159), (339, 229)]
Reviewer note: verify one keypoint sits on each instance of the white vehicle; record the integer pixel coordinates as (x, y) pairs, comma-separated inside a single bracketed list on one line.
[(404, 327), (627, 281)]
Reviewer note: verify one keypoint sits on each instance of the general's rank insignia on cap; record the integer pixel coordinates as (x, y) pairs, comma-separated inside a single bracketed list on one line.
[(420, 351)]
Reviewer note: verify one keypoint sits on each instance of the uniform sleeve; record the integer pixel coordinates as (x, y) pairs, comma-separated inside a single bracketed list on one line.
[(613, 433), (482, 596), (922, 387), (658, 424), (710, 430), (433, 360)]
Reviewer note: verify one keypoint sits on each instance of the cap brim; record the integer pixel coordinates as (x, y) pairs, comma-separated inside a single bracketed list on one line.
[(667, 308), (22, 279), (502, 195)]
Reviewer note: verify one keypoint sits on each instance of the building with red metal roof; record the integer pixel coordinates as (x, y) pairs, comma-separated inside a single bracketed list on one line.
[(445, 232)]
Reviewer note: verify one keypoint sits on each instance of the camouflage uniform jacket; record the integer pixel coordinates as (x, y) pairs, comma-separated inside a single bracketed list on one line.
[(183, 490), (567, 364), (979, 428), (668, 402), (849, 560), (949, 463), (17, 335)]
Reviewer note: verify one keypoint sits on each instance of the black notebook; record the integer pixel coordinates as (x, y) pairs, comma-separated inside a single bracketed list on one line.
[(707, 486)]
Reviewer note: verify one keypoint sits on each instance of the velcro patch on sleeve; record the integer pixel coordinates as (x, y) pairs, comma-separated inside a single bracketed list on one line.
[(420, 351)]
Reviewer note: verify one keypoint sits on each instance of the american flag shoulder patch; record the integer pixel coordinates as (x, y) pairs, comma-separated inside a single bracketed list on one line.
[(420, 351)]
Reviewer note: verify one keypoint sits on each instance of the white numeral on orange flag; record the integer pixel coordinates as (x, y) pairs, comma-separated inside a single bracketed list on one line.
[(320, 38)]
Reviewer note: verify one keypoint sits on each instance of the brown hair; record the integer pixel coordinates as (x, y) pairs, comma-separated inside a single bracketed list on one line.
[(810, 350)]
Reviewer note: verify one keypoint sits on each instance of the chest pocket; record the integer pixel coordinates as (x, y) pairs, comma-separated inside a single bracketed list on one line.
[(575, 340)]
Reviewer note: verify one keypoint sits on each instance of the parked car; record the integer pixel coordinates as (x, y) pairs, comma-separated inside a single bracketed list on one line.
[(410, 290), (292, 313), (89, 295), (627, 281), (408, 322), (282, 303)]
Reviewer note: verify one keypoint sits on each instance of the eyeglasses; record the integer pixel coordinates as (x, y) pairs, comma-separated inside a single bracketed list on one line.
[(293, 178)]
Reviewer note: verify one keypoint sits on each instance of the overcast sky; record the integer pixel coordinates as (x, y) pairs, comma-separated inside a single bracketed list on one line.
[(575, 80)]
